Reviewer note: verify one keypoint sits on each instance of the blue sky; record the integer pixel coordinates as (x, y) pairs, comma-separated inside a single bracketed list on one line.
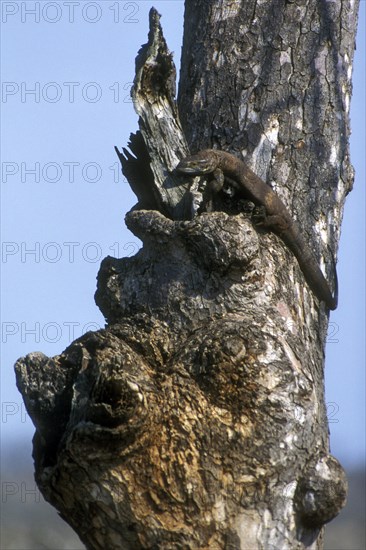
[(67, 69)]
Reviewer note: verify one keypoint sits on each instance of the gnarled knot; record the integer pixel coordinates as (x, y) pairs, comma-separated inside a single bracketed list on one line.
[(321, 492)]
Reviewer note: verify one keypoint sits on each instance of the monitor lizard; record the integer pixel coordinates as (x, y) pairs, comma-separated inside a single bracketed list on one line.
[(277, 219)]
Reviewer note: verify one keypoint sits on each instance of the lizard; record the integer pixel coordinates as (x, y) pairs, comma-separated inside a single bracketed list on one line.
[(223, 165)]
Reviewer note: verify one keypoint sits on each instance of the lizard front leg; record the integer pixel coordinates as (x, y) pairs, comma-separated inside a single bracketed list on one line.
[(214, 186)]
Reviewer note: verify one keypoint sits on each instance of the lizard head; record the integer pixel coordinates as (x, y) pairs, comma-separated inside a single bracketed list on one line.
[(203, 162)]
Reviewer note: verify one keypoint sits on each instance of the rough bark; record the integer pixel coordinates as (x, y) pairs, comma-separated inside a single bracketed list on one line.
[(272, 82), (196, 419)]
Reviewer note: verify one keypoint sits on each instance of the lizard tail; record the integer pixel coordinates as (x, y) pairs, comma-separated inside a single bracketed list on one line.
[(311, 270)]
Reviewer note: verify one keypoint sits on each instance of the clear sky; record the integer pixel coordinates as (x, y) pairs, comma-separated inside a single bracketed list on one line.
[(67, 68)]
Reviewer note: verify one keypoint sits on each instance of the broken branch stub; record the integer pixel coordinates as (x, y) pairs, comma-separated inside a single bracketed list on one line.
[(153, 95)]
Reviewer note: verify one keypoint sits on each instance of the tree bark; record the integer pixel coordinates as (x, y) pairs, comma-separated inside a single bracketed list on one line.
[(197, 419)]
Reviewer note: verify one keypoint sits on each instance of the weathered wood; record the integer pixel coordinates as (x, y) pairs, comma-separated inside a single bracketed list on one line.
[(172, 427), (197, 419), (153, 95)]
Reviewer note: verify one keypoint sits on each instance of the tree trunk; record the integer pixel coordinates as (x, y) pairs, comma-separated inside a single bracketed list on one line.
[(196, 419)]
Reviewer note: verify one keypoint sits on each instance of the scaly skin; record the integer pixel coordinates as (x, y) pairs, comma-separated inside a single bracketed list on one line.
[(278, 218)]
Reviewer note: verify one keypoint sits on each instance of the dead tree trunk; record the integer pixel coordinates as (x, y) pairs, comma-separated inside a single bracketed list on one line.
[(196, 419)]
